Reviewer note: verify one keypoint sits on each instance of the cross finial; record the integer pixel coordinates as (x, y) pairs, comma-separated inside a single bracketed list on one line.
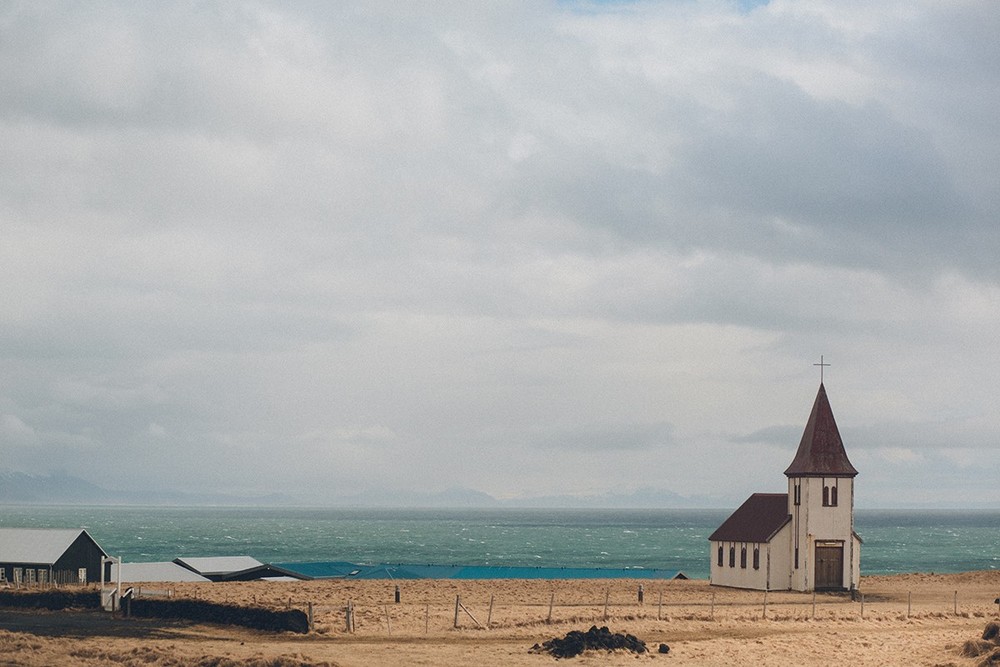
[(821, 367)]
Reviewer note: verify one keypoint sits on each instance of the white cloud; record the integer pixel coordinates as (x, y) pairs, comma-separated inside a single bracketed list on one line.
[(899, 455), (467, 244), (16, 431)]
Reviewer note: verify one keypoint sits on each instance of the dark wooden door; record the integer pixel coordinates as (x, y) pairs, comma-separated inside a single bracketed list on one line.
[(829, 566)]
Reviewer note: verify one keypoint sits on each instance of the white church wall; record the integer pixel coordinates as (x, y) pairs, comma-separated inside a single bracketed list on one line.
[(815, 522), (778, 560), (738, 575)]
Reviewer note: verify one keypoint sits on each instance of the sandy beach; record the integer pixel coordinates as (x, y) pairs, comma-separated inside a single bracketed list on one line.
[(915, 619)]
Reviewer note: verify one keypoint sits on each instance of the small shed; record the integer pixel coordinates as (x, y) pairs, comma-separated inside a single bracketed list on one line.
[(41, 555)]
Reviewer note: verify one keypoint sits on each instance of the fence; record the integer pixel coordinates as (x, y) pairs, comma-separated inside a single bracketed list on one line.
[(40, 578), (496, 612)]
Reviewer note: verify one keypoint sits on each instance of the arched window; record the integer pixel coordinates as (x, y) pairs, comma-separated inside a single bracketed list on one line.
[(833, 496), (826, 496), (743, 557), (720, 555), (756, 558), (732, 556)]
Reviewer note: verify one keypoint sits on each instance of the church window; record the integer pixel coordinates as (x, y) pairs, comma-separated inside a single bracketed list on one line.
[(826, 496), (796, 558), (720, 555), (798, 494), (732, 556), (743, 557), (756, 558), (833, 496)]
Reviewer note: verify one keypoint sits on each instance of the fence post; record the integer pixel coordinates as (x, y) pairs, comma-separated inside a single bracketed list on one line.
[(397, 593), (862, 605), (552, 600), (712, 613), (427, 618), (956, 603), (659, 608), (640, 593), (814, 603), (764, 614), (909, 602), (388, 623), (310, 615), (458, 601), (489, 617), (607, 594)]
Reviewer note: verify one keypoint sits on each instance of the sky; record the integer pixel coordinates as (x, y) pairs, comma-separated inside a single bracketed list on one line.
[(523, 248)]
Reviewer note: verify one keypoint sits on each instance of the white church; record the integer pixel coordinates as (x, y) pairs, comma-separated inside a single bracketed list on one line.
[(802, 540)]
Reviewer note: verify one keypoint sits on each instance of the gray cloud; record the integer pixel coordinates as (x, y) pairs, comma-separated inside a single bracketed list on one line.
[(424, 243), (640, 437)]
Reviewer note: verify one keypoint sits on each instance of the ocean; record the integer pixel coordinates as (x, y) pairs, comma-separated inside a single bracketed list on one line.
[(895, 541)]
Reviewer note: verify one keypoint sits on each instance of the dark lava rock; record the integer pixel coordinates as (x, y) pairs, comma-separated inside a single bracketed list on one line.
[(664, 648), (576, 642)]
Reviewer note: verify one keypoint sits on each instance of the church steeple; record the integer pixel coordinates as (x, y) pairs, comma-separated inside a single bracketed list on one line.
[(821, 451)]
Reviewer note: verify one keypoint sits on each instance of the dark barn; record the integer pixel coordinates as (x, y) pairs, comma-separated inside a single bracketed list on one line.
[(30, 556)]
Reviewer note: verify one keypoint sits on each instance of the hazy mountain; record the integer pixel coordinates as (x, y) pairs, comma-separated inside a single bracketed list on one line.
[(61, 488)]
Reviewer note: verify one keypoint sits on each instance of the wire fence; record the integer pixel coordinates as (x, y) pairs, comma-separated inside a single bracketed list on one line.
[(495, 613)]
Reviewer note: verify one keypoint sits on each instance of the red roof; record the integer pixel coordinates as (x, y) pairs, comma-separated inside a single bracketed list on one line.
[(756, 520), (821, 451)]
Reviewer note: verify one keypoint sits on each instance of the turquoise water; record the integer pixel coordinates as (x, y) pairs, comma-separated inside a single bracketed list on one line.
[(894, 540)]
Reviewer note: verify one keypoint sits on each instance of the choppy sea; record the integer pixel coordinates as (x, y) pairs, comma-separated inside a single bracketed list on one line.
[(894, 540)]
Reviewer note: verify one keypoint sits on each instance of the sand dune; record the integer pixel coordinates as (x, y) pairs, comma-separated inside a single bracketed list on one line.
[(915, 619)]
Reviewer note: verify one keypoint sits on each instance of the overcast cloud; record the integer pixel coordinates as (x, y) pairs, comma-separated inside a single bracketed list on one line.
[(525, 248)]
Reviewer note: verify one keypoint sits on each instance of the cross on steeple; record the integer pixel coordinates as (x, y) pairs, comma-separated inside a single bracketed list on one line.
[(821, 367)]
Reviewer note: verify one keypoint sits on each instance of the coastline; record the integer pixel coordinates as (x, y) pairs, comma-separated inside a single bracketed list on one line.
[(917, 618)]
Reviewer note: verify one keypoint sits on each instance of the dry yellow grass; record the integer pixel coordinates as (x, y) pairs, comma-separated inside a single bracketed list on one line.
[(908, 620)]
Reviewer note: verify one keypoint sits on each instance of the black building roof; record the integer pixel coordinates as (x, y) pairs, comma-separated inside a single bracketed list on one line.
[(756, 520)]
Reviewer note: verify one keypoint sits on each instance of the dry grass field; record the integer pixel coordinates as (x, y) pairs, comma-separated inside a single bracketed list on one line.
[(917, 619)]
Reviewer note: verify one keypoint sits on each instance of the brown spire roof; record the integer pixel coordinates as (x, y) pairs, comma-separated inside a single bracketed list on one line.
[(821, 451)]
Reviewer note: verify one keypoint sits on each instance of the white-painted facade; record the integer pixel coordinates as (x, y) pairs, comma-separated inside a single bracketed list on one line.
[(823, 517), (812, 546), (765, 568)]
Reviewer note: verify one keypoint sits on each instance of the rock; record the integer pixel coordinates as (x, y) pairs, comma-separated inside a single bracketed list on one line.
[(664, 648), (576, 642)]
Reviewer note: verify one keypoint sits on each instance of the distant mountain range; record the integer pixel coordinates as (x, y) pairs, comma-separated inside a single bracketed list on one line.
[(62, 488), (18, 488)]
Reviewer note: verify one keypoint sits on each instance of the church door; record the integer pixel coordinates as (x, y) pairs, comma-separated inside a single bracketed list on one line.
[(829, 565)]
